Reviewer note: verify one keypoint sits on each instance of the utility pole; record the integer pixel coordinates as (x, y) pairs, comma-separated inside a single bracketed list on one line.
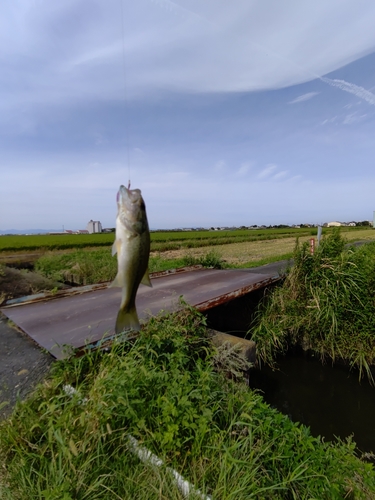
[(320, 232)]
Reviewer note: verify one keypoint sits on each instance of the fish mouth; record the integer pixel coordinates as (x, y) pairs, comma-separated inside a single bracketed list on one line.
[(128, 196)]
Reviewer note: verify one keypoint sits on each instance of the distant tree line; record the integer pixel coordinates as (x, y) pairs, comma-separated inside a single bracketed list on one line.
[(364, 223)]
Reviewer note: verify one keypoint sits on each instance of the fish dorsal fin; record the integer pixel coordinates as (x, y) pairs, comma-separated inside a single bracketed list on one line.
[(146, 279), (116, 247)]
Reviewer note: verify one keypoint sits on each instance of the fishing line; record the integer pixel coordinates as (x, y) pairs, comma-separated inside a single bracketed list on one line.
[(126, 120)]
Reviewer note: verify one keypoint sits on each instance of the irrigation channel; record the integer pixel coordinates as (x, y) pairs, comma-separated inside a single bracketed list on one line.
[(329, 399)]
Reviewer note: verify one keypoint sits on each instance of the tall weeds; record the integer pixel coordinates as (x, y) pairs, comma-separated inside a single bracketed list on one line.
[(163, 390), (326, 304)]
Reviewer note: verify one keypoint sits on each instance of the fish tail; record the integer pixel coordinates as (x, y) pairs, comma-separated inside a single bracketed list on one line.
[(127, 319)]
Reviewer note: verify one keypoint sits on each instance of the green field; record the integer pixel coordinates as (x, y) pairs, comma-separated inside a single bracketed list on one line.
[(160, 240), (87, 259), (54, 241)]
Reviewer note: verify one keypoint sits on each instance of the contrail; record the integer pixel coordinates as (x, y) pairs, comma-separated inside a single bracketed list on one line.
[(360, 92)]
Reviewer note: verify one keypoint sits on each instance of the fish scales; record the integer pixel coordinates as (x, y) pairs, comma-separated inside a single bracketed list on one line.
[(132, 245)]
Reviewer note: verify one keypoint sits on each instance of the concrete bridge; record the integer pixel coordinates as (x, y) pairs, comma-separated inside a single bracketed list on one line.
[(83, 316)]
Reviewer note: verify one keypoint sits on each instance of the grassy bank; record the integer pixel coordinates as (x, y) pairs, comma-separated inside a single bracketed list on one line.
[(164, 391), (89, 267), (326, 304)]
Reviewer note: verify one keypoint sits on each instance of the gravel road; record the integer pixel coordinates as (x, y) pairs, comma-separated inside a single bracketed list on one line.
[(22, 365)]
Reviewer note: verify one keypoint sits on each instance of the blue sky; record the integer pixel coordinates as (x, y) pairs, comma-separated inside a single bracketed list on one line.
[(222, 113)]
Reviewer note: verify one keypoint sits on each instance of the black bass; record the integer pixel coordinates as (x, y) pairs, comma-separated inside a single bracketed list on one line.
[(132, 246)]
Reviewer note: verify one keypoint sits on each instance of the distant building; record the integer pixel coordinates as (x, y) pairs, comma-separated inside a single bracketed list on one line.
[(94, 226), (334, 224)]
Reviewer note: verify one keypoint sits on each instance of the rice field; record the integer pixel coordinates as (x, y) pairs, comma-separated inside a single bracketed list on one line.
[(164, 240)]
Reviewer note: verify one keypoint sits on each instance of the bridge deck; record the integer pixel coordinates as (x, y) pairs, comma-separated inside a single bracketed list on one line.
[(78, 320)]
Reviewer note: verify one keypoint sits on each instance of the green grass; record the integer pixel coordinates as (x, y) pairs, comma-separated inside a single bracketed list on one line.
[(263, 262), (83, 267), (326, 304), (87, 267), (163, 390)]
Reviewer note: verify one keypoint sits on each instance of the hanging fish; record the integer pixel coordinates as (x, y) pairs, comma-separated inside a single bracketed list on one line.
[(132, 245)]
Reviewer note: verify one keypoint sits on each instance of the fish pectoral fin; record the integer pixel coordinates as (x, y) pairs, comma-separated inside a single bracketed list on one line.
[(116, 282), (146, 279), (116, 247)]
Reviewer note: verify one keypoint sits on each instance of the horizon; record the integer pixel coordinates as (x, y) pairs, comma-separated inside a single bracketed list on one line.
[(13, 231)]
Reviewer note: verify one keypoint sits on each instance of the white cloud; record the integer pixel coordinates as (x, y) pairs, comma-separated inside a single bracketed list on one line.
[(304, 97), (100, 139), (267, 171), (220, 166), (177, 9), (75, 49), (175, 198), (244, 169), (280, 175), (296, 178), (329, 120), (353, 118)]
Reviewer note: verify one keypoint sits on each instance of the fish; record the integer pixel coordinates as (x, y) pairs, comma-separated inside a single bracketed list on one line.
[(132, 246)]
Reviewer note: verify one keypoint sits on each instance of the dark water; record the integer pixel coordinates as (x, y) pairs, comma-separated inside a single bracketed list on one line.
[(330, 400)]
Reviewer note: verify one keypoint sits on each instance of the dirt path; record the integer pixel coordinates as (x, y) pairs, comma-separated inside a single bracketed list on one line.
[(253, 251), (239, 253)]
